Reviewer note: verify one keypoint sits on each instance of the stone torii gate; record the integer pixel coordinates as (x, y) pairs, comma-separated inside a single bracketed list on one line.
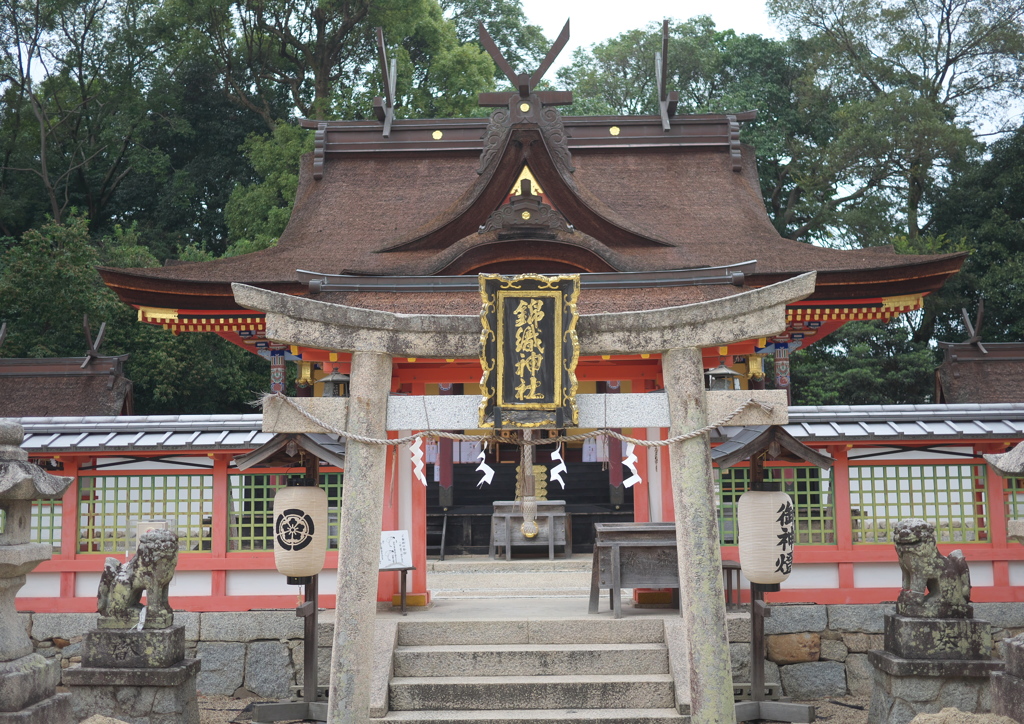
[(375, 337)]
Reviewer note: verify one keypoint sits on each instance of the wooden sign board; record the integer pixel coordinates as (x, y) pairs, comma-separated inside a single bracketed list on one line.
[(395, 550), (529, 350)]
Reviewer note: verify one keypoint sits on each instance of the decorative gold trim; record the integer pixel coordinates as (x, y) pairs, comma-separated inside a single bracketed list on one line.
[(157, 314), (908, 301), (492, 303), (526, 173)]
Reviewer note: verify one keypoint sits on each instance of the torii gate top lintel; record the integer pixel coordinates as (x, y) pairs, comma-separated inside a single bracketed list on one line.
[(323, 325)]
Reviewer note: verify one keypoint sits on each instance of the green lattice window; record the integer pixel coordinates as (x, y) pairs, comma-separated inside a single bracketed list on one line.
[(1015, 498), (809, 487), (951, 497), (251, 510), (46, 523), (109, 508)]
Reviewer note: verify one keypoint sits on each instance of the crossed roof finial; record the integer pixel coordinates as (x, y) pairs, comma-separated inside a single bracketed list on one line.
[(524, 83)]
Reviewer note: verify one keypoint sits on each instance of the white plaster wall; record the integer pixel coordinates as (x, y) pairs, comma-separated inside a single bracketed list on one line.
[(1017, 573), (114, 465), (191, 583), (858, 455), (86, 582), (41, 585), (813, 575), (327, 581), (258, 583), (877, 575), (807, 576), (981, 573)]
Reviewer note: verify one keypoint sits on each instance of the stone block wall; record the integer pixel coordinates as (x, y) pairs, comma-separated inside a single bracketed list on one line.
[(815, 651)]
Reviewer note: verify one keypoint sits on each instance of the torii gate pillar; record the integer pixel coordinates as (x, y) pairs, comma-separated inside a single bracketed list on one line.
[(701, 600), (362, 506)]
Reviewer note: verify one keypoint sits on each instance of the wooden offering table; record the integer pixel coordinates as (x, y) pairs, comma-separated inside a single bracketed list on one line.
[(554, 523), (633, 555)]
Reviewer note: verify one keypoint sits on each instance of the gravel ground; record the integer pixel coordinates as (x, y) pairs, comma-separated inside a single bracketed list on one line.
[(226, 710)]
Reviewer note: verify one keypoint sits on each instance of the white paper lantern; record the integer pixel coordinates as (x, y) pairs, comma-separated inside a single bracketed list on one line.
[(300, 530), (767, 530)]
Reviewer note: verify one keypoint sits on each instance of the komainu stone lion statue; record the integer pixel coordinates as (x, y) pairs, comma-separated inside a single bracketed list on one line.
[(150, 570), (934, 586)]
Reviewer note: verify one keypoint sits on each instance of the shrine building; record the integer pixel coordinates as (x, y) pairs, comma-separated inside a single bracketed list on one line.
[(401, 215)]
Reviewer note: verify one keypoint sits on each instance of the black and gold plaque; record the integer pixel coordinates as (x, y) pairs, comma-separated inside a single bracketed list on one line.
[(529, 350)]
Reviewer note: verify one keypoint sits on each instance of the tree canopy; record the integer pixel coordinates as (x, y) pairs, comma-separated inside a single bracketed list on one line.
[(137, 131)]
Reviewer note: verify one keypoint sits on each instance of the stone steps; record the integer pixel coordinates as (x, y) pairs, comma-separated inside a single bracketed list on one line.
[(531, 659), (539, 670), (581, 691), (481, 577), (561, 716), (537, 631)]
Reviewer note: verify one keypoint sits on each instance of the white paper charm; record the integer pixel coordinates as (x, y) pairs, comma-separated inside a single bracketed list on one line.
[(484, 468), (416, 452), (630, 462), (556, 472)]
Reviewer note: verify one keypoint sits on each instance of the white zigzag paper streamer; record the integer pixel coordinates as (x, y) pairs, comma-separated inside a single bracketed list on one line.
[(556, 472), (630, 462), (486, 469), (416, 453)]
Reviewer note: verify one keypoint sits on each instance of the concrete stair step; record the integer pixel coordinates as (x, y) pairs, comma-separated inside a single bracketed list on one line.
[(494, 583), (532, 692), (531, 659), (536, 631), (580, 562), (541, 716)]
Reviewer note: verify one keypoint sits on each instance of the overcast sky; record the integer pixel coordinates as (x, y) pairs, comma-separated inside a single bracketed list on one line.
[(592, 22)]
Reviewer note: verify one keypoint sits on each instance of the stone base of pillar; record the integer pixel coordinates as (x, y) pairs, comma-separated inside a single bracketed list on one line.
[(147, 696), (28, 692), (1008, 687), (904, 688)]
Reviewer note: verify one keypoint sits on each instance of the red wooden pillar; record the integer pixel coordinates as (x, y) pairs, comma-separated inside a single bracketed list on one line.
[(843, 511), (997, 494), (642, 490), (418, 534), (69, 527), (387, 582), (221, 522)]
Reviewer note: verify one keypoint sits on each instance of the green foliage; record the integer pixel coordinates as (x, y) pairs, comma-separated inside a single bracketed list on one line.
[(47, 282), (912, 77), (864, 363), (982, 208), (522, 44)]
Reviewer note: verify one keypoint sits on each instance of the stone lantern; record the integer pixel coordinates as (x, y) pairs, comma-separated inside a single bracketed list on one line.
[(722, 378), (28, 682), (335, 384)]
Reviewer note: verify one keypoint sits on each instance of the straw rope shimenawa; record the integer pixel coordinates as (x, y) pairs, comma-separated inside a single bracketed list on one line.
[(492, 438)]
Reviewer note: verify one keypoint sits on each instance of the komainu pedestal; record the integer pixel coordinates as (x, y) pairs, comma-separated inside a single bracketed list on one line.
[(1008, 686), (133, 665), (28, 682), (936, 654)]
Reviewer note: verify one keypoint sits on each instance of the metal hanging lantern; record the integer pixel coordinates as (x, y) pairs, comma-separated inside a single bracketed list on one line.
[(722, 378), (300, 530), (767, 531), (335, 384)]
